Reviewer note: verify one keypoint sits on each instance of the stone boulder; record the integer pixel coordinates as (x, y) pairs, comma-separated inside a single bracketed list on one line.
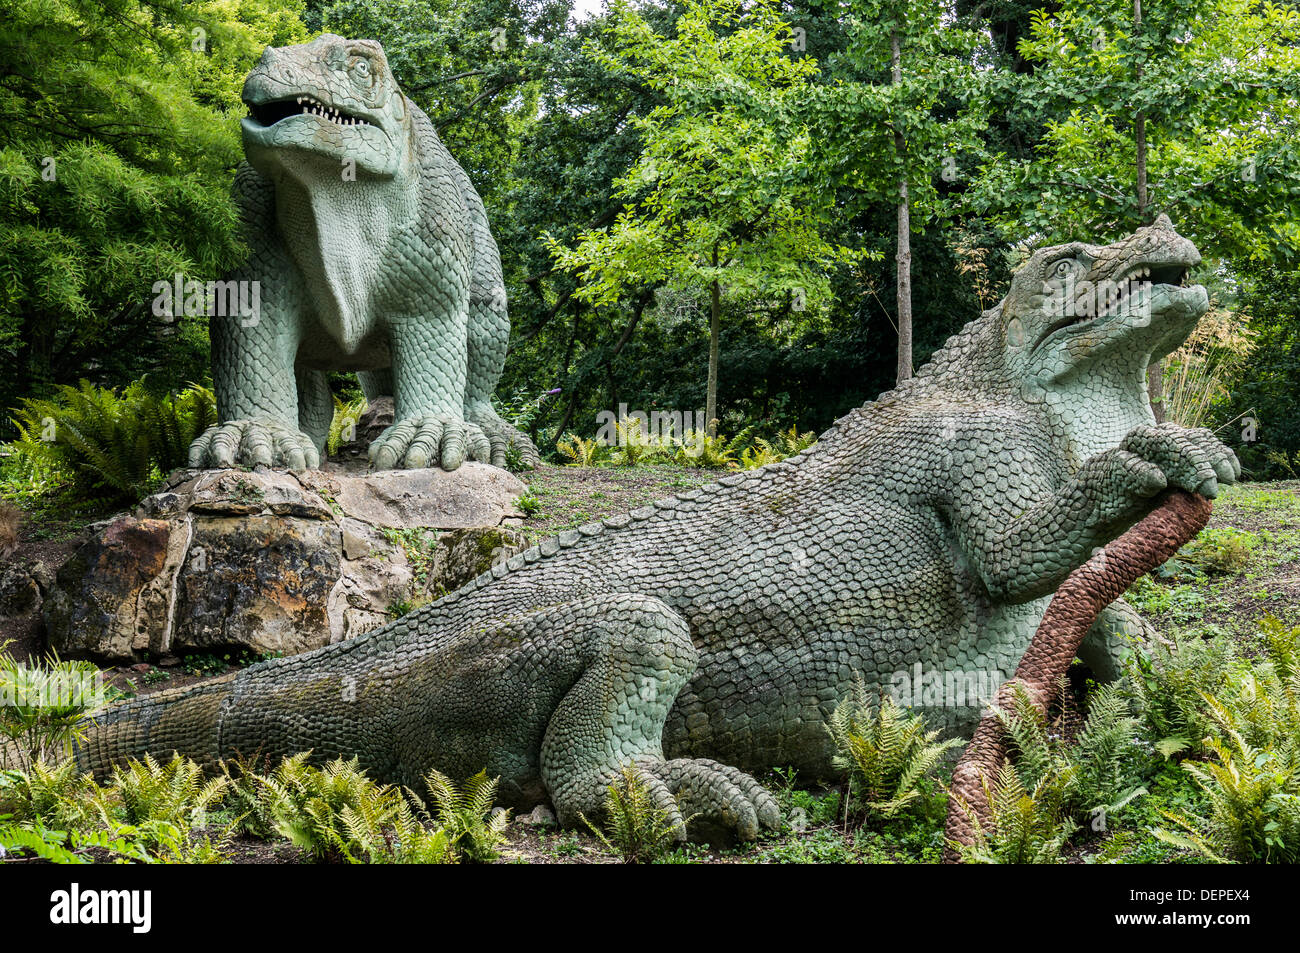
[(272, 562)]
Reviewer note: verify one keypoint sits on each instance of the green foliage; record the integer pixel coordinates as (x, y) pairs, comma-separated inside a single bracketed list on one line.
[(636, 827), (1251, 781), (582, 452), (58, 797), (1201, 72), (1029, 824), (529, 505), (173, 793), (114, 446), (1170, 682), (1105, 757), (465, 813), (42, 705), (1219, 551), (886, 751), (344, 423), (118, 140)]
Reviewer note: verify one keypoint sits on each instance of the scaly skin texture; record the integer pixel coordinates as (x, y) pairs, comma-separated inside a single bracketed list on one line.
[(372, 253), (714, 631)]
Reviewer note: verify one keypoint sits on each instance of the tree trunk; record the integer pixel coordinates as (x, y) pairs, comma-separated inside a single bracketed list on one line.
[(715, 319), (903, 255), (1155, 378), (1177, 518)]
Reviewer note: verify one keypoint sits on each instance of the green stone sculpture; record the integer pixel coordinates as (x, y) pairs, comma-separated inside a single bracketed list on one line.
[(372, 254), (711, 633)]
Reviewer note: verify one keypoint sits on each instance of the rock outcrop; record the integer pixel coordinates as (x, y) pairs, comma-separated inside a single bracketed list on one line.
[(273, 562)]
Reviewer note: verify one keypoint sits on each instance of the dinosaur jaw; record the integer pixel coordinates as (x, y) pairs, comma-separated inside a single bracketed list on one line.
[(303, 123), (1140, 315)]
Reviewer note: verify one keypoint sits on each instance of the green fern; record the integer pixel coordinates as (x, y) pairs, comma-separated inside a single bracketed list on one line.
[(465, 812), (116, 446), (637, 828), (1029, 825), (346, 414), (173, 793), (887, 752), (581, 452)]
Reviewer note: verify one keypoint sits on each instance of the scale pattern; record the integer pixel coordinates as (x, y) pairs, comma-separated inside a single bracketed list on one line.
[(371, 252), (710, 634)]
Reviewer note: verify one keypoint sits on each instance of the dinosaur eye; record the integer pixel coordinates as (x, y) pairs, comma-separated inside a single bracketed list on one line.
[(1063, 268), (360, 69)]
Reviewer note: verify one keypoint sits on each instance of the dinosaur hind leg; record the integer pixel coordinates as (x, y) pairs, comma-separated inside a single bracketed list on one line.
[(376, 384), (614, 715), (315, 406)]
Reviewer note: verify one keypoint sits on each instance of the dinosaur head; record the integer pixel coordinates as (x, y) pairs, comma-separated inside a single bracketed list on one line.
[(1075, 309), (332, 99)]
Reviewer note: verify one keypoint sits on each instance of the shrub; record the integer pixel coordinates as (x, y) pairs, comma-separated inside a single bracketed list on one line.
[(1169, 683), (637, 828), (114, 446), (886, 751), (1251, 781), (1223, 551), (42, 706)]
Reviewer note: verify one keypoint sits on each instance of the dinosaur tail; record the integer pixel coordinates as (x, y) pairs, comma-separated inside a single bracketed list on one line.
[(186, 721)]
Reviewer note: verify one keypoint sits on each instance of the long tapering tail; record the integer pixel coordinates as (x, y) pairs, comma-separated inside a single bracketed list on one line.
[(182, 720)]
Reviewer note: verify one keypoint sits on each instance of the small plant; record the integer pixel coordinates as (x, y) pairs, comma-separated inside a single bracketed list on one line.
[(343, 424), (465, 812), (529, 505), (205, 664), (42, 706), (174, 793), (57, 797), (886, 751), (581, 452), (1169, 682), (1107, 770), (1029, 824), (1223, 551), (637, 827)]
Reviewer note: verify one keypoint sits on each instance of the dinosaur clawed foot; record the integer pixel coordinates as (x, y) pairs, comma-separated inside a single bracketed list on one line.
[(711, 795), (503, 437), (251, 443), (429, 440)]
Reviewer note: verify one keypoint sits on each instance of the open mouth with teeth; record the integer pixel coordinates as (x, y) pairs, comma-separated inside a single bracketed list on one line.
[(1133, 294), (268, 114)]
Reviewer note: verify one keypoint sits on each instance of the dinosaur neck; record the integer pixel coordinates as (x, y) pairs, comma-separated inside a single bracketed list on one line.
[(340, 232)]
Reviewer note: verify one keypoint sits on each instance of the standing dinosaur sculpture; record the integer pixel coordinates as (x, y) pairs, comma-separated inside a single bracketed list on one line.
[(710, 634), (372, 254)]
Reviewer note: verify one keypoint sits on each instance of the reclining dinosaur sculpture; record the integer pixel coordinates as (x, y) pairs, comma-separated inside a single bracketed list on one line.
[(372, 254), (710, 634)]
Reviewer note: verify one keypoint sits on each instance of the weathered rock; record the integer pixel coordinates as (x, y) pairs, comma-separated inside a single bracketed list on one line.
[(268, 561), (19, 590), (474, 495), (94, 606)]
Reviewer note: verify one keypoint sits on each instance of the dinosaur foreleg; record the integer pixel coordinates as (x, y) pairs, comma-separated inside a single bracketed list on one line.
[(429, 385)]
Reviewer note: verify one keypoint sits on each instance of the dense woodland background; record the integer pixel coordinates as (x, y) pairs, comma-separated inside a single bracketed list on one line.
[(616, 152)]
